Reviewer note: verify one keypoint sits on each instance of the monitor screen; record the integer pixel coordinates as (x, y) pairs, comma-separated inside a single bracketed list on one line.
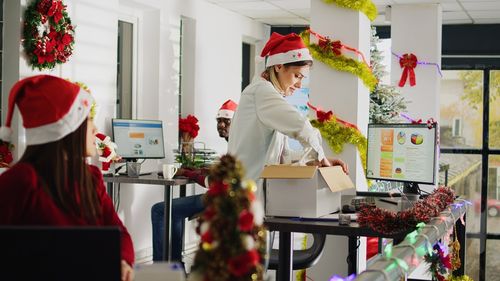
[(401, 152), (138, 138)]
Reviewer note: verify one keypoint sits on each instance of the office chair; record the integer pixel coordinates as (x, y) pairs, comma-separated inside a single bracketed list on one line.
[(302, 259)]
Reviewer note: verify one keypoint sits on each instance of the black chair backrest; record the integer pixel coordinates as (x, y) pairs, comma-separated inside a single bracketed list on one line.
[(59, 253)]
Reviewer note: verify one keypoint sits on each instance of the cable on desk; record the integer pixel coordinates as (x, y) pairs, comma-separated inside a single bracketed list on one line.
[(348, 259)]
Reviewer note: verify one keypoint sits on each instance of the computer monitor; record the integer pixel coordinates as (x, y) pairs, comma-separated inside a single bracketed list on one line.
[(402, 152), (60, 253), (138, 139)]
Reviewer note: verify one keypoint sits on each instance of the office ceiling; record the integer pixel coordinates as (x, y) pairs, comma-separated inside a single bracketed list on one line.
[(297, 12)]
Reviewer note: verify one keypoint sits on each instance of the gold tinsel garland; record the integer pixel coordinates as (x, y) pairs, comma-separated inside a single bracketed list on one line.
[(341, 62), (365, 6), (337, 135)]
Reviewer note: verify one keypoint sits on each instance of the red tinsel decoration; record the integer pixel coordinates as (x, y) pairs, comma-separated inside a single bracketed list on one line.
[(389, 222)]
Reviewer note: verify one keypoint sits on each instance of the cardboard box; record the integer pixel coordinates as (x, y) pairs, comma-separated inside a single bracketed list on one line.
[(304, 191)]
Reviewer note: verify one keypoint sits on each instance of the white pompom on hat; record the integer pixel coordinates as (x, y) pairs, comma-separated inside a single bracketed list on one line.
[(282, 49), (51, 108), (227, 109)]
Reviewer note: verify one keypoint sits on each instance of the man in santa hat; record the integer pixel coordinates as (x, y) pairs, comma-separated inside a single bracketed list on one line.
[(186, 207)]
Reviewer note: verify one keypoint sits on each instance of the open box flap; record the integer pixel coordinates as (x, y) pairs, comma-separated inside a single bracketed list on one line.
[(336, 179), (288, 172)]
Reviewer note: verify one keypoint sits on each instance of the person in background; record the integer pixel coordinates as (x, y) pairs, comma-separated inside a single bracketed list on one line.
[(264, 119), (188, 206), (52, 184)]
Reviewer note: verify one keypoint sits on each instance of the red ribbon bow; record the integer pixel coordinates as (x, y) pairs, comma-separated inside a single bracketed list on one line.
[(408, 62), (327, 45), (323, 116)]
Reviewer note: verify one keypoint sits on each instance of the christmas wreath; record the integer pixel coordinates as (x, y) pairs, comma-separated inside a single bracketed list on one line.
[(48, 36)]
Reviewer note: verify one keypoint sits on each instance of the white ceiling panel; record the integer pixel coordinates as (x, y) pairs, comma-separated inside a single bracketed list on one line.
[(451, 7), (302, 12), (383, 2), (252, 5), (226, 1), (482, 6), (486, 21), (258, 14), (485, 14), (293, 12), (454, 16), (292, 4), (285, 21), (461, 21), (422, 1)]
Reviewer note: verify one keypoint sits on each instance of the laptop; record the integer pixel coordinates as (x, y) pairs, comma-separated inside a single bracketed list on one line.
[(59, 253)]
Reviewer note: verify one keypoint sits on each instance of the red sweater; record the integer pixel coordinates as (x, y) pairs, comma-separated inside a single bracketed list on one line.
[(24, 202)]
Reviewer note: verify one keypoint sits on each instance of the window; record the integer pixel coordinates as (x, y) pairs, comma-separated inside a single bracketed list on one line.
[(457, 127), (125, 66), (468, 142)]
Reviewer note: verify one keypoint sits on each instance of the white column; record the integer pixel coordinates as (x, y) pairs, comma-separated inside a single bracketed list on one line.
[(348, 97), (417, 29)]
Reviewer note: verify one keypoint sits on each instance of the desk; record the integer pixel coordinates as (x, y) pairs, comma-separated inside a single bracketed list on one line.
[(154, 179), (285, 226)]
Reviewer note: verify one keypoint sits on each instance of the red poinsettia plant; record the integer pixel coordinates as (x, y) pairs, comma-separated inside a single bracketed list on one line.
[(6, 154), (188, 128)]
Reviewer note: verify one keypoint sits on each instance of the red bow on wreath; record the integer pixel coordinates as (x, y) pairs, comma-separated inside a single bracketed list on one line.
[(408, 62)]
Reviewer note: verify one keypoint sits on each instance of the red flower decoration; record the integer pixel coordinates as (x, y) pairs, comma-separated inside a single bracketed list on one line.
[(245, 221), (189, 125), (217, 188), (240, 265)]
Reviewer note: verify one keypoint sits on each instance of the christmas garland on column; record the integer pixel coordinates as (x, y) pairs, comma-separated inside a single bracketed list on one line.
[(48, 36), (338, 61), (338, 132), (365, 6)]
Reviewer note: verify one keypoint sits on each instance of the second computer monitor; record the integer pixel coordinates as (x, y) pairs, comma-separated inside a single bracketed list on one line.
[(401, 152), (138, 139)]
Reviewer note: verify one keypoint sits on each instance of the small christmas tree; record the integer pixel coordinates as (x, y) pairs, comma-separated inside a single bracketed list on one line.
[(232, 243), (385, 101)]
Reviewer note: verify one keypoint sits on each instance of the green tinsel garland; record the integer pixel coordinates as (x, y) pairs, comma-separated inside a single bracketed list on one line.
[(341, 62), (336, 135), (365, 6)]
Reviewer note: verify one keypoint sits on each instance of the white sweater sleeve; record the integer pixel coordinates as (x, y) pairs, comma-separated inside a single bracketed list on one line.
[(276, 113)]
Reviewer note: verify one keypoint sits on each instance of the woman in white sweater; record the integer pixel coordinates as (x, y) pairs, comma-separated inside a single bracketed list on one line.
[(264, 119)]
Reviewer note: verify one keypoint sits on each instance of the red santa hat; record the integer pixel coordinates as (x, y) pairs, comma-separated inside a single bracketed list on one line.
[(51, 108), (281, 49), (227, 109)]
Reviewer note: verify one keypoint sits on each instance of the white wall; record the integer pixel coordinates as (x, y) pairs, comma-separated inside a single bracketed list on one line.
[(219, 35)]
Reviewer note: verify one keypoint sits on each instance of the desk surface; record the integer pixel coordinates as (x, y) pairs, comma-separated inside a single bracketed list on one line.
[(324, 227), (146, 179)]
